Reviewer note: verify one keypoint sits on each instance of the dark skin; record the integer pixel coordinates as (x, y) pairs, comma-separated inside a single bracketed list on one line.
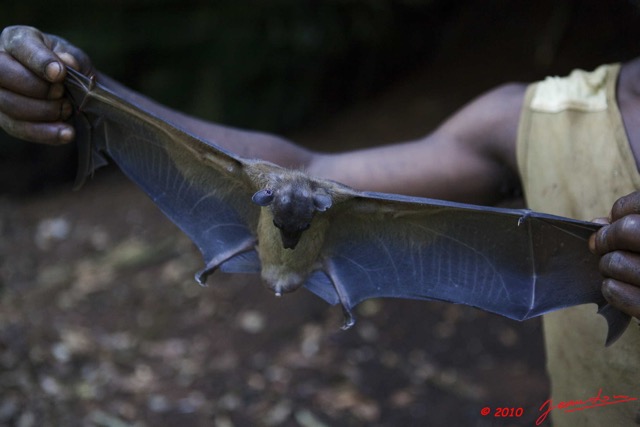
[(468, 158), (618, 244)]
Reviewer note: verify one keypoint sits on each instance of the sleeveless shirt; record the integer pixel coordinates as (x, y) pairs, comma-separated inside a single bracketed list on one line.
[(575, 161)]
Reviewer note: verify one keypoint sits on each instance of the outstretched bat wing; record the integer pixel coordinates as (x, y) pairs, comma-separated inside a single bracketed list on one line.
[(516, 263), (199, 186)]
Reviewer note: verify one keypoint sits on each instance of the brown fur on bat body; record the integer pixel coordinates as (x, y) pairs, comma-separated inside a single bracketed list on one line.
[(291, 228)]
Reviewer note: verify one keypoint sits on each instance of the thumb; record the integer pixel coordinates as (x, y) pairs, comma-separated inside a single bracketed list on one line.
[(592, 238)]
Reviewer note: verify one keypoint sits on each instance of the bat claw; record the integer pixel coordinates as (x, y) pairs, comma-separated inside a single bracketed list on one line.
[(523, 218), (202, 275), (349, 319)]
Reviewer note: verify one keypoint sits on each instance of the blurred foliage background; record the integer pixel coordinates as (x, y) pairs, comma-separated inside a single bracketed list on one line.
[(279, 65), (262, 65)]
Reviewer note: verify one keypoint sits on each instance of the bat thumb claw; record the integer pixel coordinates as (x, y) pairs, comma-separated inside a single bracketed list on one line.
[(524, 217)]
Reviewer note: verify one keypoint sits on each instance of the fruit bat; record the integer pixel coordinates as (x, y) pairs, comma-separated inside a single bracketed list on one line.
[(344, 245)]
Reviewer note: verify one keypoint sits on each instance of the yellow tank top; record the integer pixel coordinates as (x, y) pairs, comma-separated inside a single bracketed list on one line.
[(575, 160)]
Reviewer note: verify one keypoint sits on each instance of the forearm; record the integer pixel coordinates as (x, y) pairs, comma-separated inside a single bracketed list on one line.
[(247, 144), (425, 168), (461, 161)]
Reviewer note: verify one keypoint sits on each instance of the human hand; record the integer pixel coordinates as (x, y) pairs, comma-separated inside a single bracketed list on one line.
[(32, 69), (618, 244)]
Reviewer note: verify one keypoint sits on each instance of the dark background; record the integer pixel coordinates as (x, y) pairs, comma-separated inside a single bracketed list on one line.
[(286, 65), (101, 323)]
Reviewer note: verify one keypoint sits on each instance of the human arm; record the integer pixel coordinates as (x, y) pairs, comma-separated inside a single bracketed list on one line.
[(33, 106), (618, 244), (469, 158)]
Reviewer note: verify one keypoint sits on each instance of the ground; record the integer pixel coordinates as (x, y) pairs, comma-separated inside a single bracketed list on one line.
[(102, 324)]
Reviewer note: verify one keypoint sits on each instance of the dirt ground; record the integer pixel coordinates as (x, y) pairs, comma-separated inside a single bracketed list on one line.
[(102, 324)]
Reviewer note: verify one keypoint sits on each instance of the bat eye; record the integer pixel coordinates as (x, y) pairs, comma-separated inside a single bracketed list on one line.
[(277, 224), (263, 197), (305, 227)]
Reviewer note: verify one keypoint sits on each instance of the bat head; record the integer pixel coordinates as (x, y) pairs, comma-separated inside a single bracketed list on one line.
[(293, 204)]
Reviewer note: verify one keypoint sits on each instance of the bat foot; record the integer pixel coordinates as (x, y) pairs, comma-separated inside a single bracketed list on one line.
[(202, 275), (617, 322), (213, 264), (349, 319)]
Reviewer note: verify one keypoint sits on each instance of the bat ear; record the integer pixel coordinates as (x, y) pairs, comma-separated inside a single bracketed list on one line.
[(263, 197), (322, 201)]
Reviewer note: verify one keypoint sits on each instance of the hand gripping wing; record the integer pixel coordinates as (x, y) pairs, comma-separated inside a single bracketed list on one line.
[(346, 246)]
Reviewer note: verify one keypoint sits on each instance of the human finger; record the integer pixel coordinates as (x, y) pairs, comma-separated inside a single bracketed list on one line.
[(621, 265), (626, 205), (592, 238), (24, 108), (71, 55), (623, 296), (16, 78), (623, 234), (42, 132), (31, 48)]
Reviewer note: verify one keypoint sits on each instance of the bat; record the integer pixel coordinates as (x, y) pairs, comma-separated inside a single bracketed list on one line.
[(344, 245)]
